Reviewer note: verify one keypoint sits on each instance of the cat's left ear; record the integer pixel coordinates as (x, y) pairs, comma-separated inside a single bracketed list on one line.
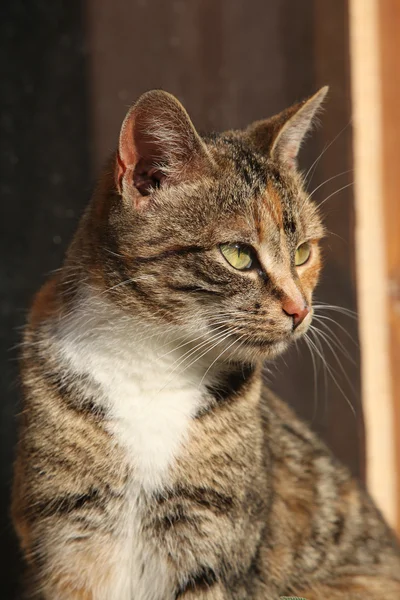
[(281, 136), (158, 146)]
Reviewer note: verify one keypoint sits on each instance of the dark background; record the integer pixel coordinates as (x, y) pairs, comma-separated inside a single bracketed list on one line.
[(69, 70)]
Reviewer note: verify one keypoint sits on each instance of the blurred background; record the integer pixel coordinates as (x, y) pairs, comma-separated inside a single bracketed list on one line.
[(69, 72)]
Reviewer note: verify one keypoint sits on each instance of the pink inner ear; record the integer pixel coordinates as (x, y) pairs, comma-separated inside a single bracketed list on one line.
[(126, 155), (126, 141), (120, 172), (137, 169), (158, 145), (292, 157), (290, 151)]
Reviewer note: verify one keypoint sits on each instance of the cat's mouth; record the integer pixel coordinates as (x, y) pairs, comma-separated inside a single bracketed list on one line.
[(253, 347), (263, 346), (249, 341), (260, 343)]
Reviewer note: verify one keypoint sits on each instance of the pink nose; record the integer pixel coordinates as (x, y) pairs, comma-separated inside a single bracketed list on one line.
[(297, 310)]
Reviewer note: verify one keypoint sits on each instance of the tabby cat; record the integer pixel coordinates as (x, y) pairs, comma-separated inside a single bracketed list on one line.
[(151, 463)]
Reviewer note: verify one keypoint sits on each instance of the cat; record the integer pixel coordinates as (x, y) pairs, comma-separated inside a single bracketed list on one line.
[(152, 463)]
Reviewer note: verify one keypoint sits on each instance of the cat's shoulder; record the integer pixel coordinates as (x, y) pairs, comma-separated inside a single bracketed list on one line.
[(285, 427)]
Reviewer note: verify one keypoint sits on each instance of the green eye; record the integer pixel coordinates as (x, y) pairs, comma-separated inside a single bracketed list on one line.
[(302, 254), (238, 256)]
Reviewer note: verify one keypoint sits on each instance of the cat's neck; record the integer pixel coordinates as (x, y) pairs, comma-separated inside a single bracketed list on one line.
[(152, 383), (97, 326)]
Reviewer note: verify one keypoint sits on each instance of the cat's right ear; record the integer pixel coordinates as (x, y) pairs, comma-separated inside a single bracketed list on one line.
[(281, 136), (158, 146)]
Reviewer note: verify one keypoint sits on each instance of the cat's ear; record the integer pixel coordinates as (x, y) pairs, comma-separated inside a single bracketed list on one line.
[(158, 146), (281, 136)]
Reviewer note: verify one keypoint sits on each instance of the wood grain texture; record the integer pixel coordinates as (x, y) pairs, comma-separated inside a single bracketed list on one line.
[(374, 42), (389, 22)]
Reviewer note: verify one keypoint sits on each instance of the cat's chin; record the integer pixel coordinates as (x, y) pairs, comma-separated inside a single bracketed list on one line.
[(256, 349)]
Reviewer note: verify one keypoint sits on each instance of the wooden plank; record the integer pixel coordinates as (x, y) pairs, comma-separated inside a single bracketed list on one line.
[(389, 23), (375, 242)]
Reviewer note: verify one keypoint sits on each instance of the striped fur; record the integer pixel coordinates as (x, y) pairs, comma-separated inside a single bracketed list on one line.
[(151, 462)]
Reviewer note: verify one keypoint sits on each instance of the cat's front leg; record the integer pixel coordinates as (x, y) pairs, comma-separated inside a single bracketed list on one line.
[(68, 505), (70, 563)]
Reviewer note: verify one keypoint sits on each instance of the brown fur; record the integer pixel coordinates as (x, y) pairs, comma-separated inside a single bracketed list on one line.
[(253, 505)]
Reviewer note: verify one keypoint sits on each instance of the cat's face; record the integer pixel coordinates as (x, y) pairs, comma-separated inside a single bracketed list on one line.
[(222, 248)]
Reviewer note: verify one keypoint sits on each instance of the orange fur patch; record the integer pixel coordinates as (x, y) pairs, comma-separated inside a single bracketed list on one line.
[(274, 203), (46, 302)]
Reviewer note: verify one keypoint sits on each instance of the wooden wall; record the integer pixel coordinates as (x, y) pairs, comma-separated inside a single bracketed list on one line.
[(389, 44), (376, 93)]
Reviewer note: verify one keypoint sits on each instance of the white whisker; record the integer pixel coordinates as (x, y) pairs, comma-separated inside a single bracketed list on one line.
[(334, 193), (327, 146), (328, 180), (331, 372)]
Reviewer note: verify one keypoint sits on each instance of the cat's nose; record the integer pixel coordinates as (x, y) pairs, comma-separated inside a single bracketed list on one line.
[(297, 310)]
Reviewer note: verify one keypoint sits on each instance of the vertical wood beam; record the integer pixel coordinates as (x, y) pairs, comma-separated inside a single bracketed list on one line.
[(377, 177), (389, 23)]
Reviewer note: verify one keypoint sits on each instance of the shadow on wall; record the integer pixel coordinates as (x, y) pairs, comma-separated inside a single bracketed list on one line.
[(45, 181)]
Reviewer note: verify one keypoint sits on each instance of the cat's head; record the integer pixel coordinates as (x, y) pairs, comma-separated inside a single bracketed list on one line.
[(214, 236)]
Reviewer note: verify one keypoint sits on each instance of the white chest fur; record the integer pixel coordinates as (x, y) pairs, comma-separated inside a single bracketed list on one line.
[(144, 384), (150, 399)]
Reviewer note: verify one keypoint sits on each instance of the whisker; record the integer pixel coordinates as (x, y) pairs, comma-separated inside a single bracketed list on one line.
[(219, 356), (328, 180), (325, 371), (315, 376), (316, 161), (336, 341), (334, 193), (341, 309), (327, 340), (220, 337), (331, 373), (325, 318), (223, 324)]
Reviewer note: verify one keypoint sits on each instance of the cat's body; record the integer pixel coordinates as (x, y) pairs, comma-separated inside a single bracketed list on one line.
[(150, 466)]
